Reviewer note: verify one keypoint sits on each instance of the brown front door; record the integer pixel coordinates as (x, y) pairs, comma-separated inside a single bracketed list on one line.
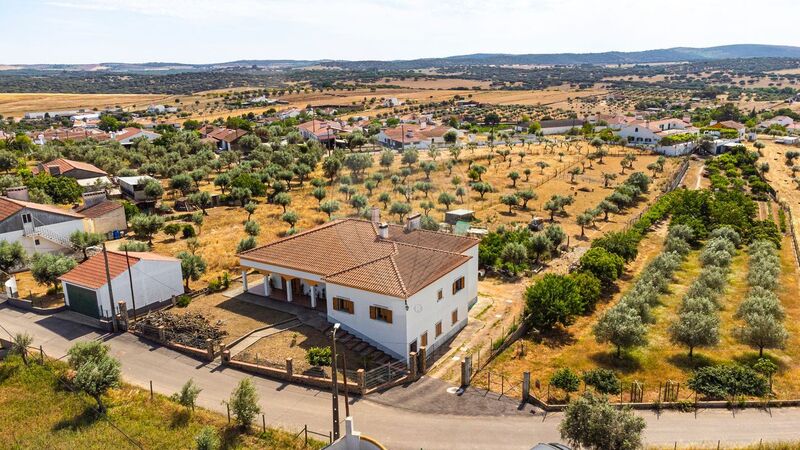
[(423, 340)]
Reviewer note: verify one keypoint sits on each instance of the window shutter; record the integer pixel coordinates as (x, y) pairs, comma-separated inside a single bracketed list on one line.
[(373, 313), (389, 316), (454, 287)]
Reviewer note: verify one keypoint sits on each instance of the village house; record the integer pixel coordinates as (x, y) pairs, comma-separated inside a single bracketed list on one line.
[(224, 139), (326, 132), (289, 113), (740, 128), (413, 135), (133, 187), (126, 136), (141, 278), (75, 134), (87, 175), (559, 126), (103, 216), (391, 102), (783, 121), (398, 288), (39, 228)]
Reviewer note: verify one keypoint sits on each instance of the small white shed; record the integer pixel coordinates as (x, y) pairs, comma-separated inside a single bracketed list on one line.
[(155, 279)]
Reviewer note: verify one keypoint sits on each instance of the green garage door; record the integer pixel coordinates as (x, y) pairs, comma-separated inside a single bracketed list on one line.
[(83, 301)]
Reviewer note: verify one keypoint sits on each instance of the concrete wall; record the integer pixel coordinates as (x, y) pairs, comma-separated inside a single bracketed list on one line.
[(62, 229), (115, 220)]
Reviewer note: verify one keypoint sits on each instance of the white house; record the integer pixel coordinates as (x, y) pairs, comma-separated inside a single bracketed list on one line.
[(126, 136), (413, 135), (398, 288), (133, 187), (154, 278), (39, 228), (783, 121)]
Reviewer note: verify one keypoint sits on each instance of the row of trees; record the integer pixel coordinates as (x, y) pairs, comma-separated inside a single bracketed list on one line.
[(517, 250)]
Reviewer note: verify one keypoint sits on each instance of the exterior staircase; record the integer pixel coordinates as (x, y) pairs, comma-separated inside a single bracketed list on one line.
[(50, 236), (360, 346)]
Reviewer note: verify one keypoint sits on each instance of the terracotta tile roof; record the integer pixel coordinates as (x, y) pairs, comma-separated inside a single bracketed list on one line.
[(414, 133), (66, 165), (9, 207), (729, 124), (99, 209), (226, 134), (73, 134), (92, 272), (349, 252)]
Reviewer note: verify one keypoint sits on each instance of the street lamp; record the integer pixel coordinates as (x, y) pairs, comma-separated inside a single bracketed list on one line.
[(335, 396)]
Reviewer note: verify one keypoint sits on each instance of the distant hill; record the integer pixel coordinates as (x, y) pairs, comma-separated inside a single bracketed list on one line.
[(676, 54)]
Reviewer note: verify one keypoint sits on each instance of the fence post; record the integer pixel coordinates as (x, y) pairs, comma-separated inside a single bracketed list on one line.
[(162, 336), (210, 349), (151, 389), (526, 386), (423, 360), (226, 356), (361, 376), (305, 431), (412, 365), (263, 424), (466, 365), (289, 367), (228, 407), (41, 355), (123, 314)]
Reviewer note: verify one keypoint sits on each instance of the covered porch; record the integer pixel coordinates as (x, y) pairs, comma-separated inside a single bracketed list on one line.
[(286, 288)]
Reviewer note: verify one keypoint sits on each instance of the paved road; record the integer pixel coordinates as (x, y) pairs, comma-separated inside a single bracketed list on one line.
[(422, 415)]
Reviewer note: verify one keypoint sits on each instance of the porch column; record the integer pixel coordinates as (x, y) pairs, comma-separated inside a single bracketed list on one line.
[(287, 286), (313, 295), (244, 280), (267, 286)]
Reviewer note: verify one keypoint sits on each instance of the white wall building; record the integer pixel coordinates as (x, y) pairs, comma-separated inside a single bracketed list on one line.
[(155, 279), (398, 288), (39, 228)]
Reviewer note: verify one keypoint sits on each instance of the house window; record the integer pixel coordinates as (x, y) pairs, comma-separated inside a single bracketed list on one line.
[(458, 285), (342, 304), (26, 218), (438, 329), (439, 295), (35, 242), (454, 316), (423, 339), (382, 314)]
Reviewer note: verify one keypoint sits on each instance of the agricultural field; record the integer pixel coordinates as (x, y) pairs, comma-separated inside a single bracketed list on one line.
[(16, 105), (222, 228), (658, 358)]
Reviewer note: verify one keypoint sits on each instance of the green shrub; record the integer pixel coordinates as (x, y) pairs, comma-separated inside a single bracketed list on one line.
[(319, 356), (183, 301), (566, 380), (604, 381), (189, 231), (725, 381)]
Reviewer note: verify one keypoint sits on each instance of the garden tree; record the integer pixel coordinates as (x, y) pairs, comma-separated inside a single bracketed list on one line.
[(192, 267), (695, 329), (762, 331), (245, 244), (370, 186), (282, 199), (604, 381), (405, 172), (359, 202), (181, 182), (622, 243), (584, 220), (428, 167), (604, 265), (591, 423), (358, 163), (426, 206), (291, 218), (172, 229), (187, 397), (476, 172), (12, 254), (539, 244), (153, 189), (197, 219), (202, 200), (510, 200), (46, 268), (504, 153), (513, 176), (627, 162), (8, 160), (767, 368), (434, 153), (455, 153), (449, 165), (82, 241), (608, 177), (95, 371), (192, 243), (356, 140), (347, 190), (428, 223), (410, 157), (19, 345), (450, 138), (222, 181), (654, 168), (252, 228), (387, 159), (424, 187), (134, 246), (446, 199), (62, 190), (400, 209), (525, 196), (197, 176), (607, 207), (482, 188), (461, 191), (552, 206), (244, 403), (566, 380), (552, 300), (574, 172), (541, 165), (329, 207), (514, 255), (621, 326), (331, 167), (250, 208), (385, 198)]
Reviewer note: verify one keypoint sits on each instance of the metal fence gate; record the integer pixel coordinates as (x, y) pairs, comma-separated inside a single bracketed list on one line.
[(385, 374)]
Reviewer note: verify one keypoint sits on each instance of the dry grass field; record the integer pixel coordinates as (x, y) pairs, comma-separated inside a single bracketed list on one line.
[(437, 83), (16, 105), (223, 227)]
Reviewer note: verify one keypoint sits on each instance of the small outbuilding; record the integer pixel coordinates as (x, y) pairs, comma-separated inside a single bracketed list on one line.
[(153, 280), (459, 215)]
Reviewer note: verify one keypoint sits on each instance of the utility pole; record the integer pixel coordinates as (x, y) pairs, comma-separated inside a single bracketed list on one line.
[(346, 399), (130, 278), (335, 396), (110, 290)]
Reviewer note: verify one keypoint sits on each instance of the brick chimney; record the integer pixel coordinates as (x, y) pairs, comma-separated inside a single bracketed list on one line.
[(18, 193), (376, 214), (383, 230), (413, 222)]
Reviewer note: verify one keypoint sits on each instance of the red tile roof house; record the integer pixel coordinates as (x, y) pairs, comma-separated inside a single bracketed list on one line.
[(76, 134), (86, 174), (103, 216), (398, 288), (39, 228), (223, 138), (325, 131), (127, 136), (412, 135), (155, 280)]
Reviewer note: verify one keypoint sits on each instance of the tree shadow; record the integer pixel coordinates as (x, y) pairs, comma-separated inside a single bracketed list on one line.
[(609, 360), (86, 418), (683, 362), (750, 358), (556, 338), (180, 418), (230, 437)]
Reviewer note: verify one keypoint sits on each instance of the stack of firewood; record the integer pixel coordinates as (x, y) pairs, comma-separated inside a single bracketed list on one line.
[(191, 329)]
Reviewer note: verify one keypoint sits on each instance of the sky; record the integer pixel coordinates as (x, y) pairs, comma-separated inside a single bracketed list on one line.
[(208, 31)]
